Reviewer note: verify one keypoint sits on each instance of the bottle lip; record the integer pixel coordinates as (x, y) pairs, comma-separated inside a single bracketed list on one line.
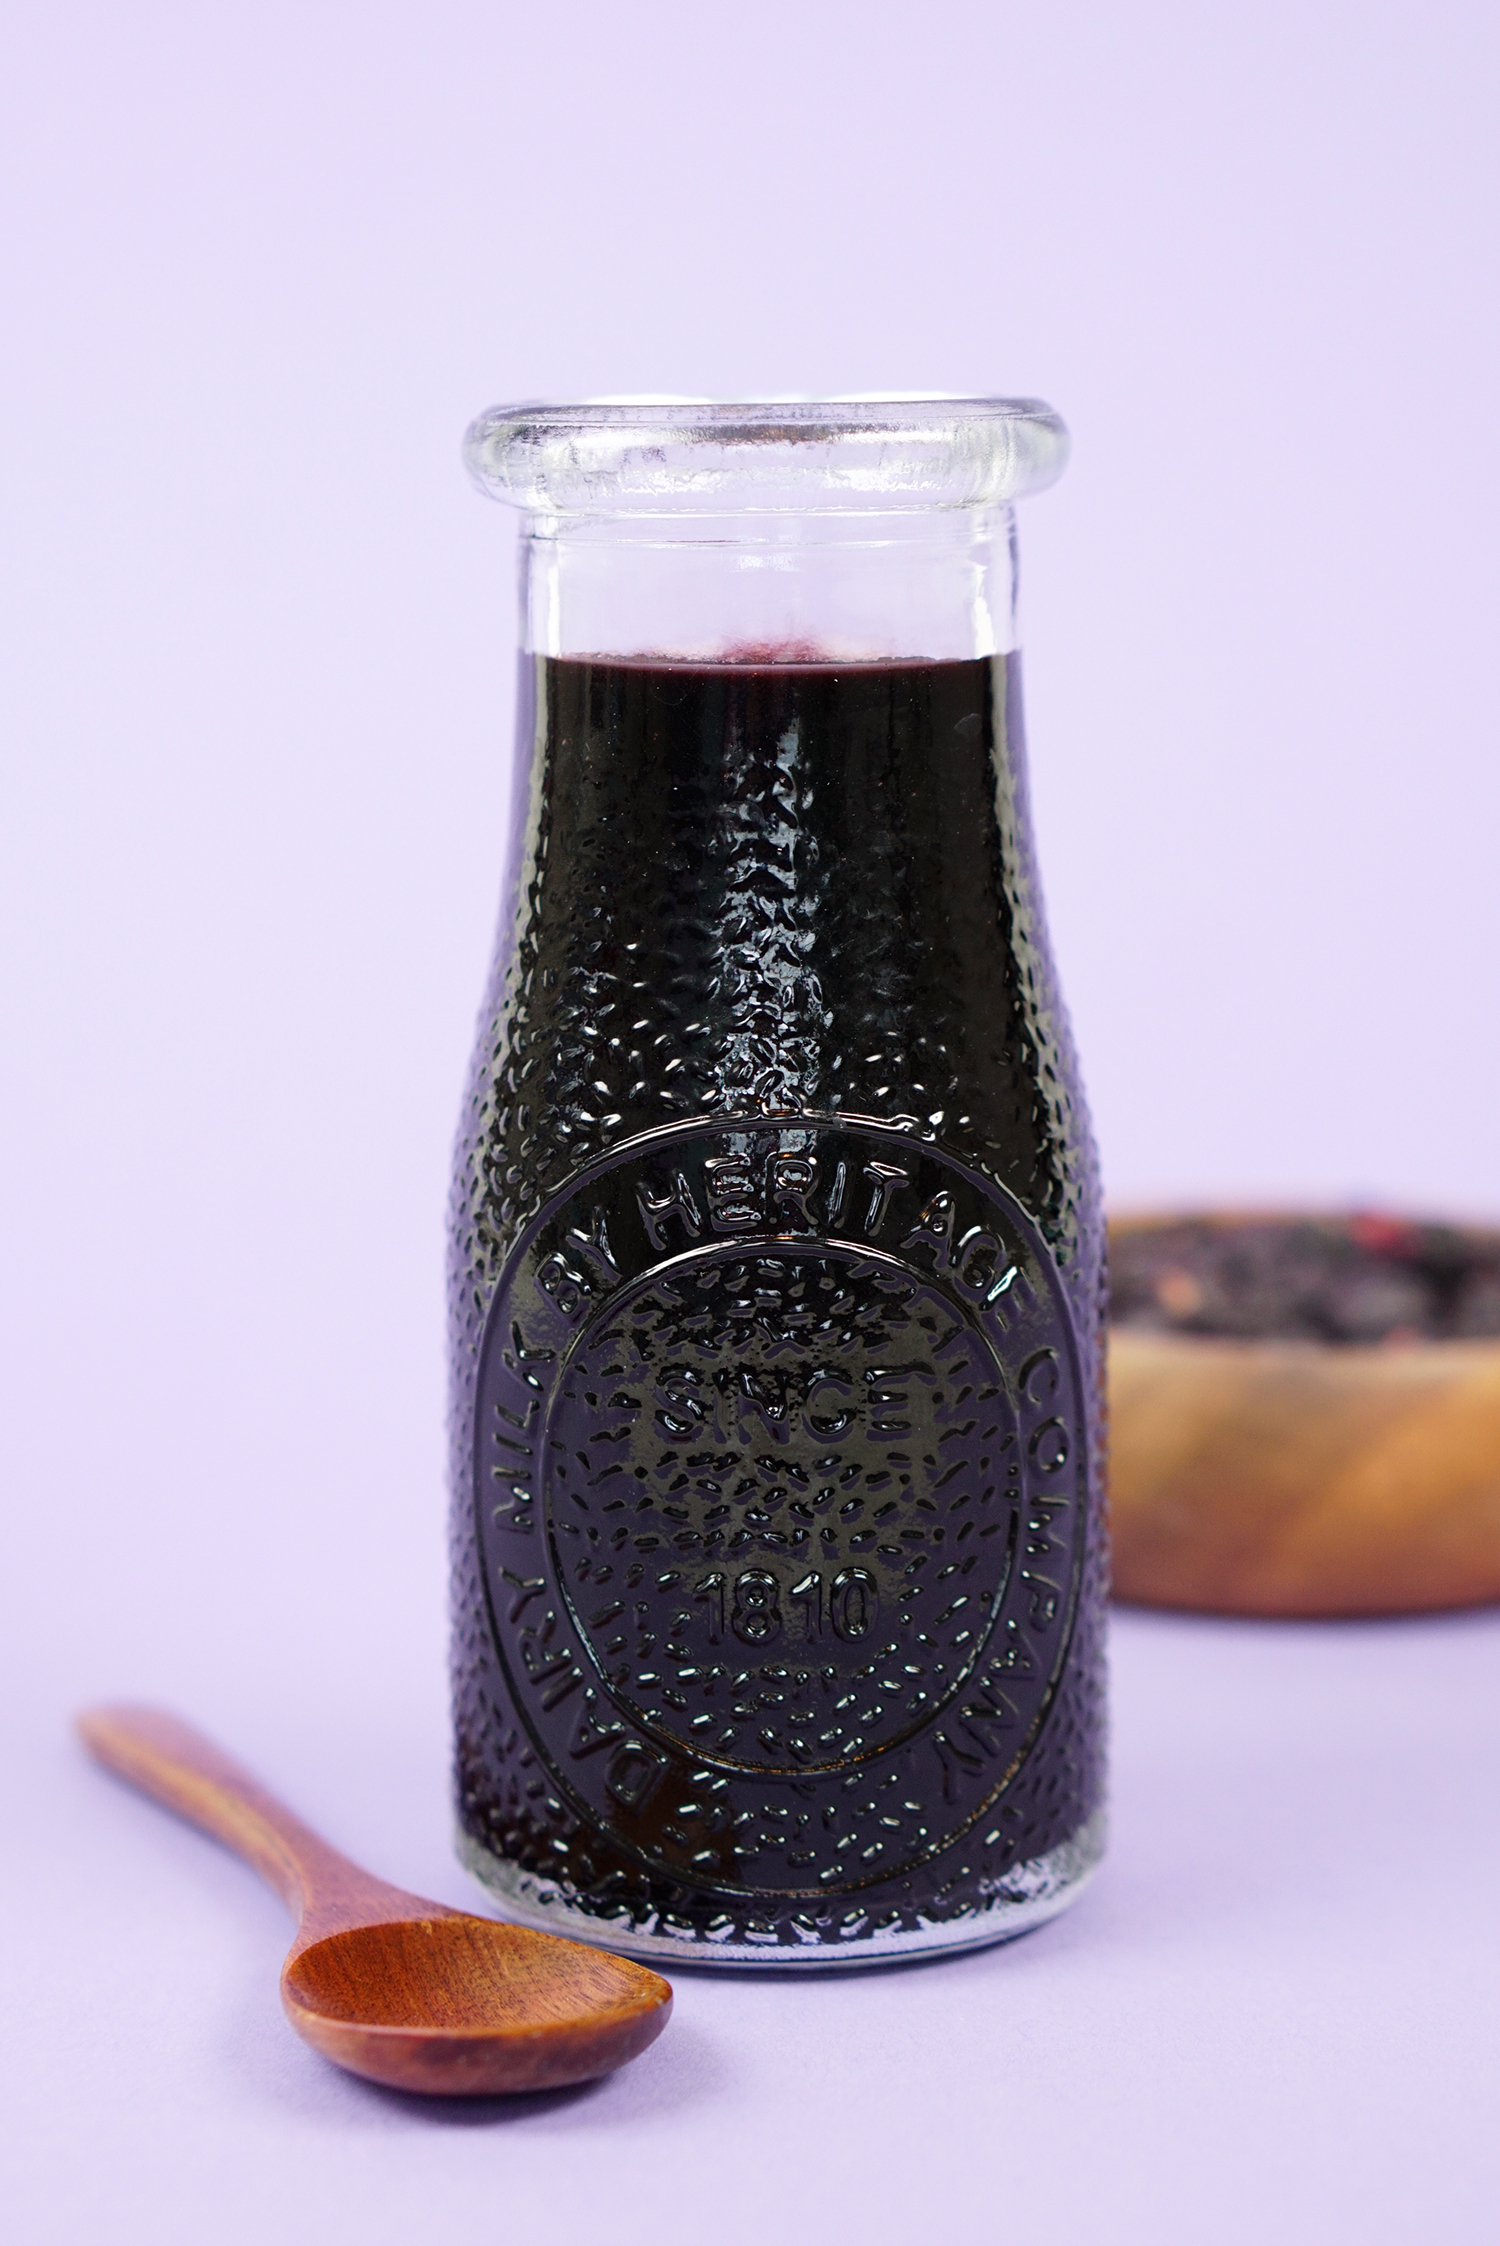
[(872, 454)]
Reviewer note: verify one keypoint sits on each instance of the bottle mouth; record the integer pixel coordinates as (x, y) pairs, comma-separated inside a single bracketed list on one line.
[(702, 456)]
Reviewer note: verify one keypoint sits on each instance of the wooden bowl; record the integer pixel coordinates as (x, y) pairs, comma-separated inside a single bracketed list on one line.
[(1271, 1476)]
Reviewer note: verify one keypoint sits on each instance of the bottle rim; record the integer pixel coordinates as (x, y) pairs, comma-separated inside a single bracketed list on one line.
[(869, 454)]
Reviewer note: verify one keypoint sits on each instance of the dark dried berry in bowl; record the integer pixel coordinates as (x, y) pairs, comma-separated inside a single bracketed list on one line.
[(1362, 1278)]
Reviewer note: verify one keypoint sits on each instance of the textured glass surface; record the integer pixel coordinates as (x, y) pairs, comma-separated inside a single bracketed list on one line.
[(776, 1292)]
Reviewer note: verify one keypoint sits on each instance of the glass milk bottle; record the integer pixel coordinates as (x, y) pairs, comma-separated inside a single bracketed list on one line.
[(776, 1249)]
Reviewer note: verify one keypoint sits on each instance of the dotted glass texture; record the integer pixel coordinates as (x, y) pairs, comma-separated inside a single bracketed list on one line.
[(776, 1290)]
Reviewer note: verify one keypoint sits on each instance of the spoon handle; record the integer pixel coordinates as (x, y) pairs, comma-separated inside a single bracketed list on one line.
[(178, 1767)]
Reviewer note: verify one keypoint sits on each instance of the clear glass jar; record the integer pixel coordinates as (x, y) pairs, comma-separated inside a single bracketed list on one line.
[(777, 1258)]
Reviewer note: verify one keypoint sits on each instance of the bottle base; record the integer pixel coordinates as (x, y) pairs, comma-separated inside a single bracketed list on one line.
[(1027, 1897)]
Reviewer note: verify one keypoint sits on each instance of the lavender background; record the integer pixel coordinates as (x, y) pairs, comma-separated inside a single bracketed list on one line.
[(261, 264)]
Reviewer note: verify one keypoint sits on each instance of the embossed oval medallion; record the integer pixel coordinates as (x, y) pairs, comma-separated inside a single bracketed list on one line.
[(780, 1479)]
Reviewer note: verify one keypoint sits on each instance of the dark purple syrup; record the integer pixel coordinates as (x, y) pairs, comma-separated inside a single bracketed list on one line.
[(776, 1289)]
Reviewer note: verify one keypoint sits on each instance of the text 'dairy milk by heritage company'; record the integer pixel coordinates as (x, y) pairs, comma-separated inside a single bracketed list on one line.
[(776, 1253)]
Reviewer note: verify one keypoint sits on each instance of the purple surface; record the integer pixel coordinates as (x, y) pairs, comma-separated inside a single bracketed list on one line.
[(1272, 2015), (261, 265)]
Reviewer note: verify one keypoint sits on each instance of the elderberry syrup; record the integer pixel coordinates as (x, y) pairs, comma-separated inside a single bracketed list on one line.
[(776, 1252)]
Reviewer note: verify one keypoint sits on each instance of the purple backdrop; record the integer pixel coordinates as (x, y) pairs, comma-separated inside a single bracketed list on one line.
[(261, 265)]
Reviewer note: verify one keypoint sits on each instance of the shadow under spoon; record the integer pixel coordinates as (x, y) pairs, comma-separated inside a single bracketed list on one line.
[(405, 1992)]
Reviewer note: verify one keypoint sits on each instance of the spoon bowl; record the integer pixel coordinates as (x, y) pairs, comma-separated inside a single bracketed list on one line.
[(468, 2005), (392, 1987)]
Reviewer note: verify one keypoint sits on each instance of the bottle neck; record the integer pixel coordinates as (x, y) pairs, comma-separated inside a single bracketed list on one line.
[(933, 585)]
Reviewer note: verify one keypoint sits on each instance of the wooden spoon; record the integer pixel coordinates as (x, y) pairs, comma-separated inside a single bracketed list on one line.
[(405, 1992)]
